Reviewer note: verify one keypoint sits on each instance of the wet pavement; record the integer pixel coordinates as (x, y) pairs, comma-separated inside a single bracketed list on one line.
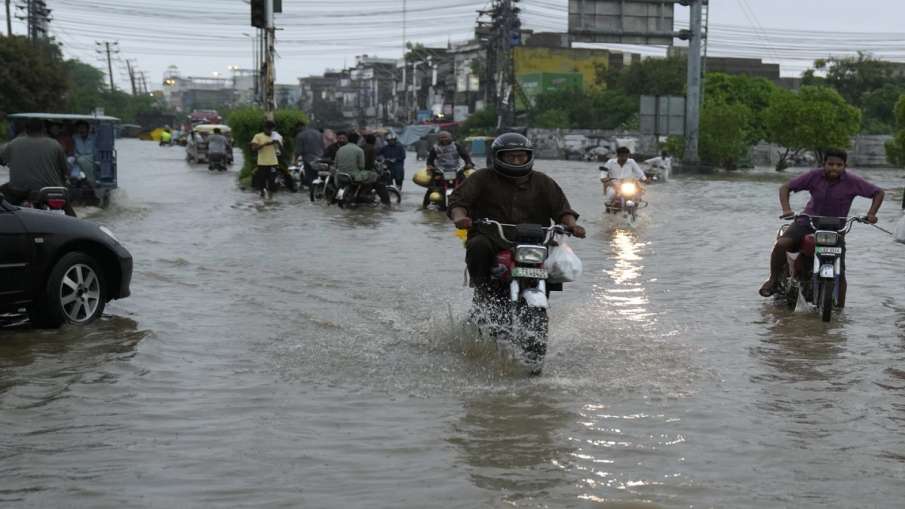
[(289, 354)]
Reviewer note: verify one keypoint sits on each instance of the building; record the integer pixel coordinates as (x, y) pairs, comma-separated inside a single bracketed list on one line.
[(185, 94)]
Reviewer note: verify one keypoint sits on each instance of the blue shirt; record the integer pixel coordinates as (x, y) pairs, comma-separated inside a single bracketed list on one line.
[(395, 152)]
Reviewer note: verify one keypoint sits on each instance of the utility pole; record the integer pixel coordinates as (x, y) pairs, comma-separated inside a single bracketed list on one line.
[(131, 75), (405, 63), (269, 103), (693, 101), (9, 19), (108, 48)]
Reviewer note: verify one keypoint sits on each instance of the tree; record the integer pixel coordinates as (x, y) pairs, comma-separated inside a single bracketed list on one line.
[(754, 93), (816, 118), (32, 77), (482, 122), (652, 76), (87, 87), (895, 148), (868, 83), (724, 133)]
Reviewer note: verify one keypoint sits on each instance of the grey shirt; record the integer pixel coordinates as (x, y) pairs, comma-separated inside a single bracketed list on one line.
[(309, 144), (34, 162), (216, 144), (350, 158)]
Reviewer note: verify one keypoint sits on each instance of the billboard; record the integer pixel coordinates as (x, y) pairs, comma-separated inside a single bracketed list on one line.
[(622, 21), (557, 61), (663, 115)]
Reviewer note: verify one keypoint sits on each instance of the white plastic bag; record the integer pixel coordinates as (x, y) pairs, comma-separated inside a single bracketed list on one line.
[(563, 265), (900, 230)]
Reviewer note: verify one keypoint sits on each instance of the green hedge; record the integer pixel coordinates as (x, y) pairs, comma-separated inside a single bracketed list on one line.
[(246, 122)]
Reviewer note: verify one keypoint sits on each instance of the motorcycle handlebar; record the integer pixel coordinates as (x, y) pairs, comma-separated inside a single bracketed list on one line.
[(849, 222), (551, 230)]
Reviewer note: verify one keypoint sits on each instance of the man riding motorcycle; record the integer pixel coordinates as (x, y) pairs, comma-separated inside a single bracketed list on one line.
[(832, 189), (616, 170), (509, 192), (447, 154), (35, 161)]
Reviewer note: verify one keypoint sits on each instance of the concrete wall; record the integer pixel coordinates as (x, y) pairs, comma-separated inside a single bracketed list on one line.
[(555, 143), (866, 151)]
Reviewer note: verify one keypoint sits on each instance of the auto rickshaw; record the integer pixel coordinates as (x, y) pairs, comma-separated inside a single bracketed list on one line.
[(92, 174), (196, 145)]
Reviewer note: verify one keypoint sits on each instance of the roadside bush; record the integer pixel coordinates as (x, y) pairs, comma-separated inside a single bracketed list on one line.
[(895, 148), (246, 122)]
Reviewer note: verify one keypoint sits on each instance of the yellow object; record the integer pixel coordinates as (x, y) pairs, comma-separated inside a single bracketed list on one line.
[(166, 137), (155, 134), (584, 61), (436, 197), (267, 156), (467, 173), (462, 234), (422, 178)]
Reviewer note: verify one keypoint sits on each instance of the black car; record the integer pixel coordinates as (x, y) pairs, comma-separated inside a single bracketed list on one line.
[(58, 268)]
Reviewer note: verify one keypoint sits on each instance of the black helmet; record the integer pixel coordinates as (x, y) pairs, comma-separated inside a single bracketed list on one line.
[(511, 142)]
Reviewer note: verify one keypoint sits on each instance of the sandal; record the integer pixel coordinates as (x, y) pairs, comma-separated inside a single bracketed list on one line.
[(767, 289)]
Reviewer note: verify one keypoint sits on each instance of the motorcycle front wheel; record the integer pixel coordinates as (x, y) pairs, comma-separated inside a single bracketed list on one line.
[(395, 195), (826, 300), (316, 192), (532, 329)]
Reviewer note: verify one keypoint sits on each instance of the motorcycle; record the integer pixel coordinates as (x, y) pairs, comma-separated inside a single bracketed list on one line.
[(351, 194), (52, 199), (817, 270), (216, 162), (323, 185), (628, 199), (442, 185), (520, 289)]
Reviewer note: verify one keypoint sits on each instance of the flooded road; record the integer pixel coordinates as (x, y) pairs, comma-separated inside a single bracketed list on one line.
[(295, 355)]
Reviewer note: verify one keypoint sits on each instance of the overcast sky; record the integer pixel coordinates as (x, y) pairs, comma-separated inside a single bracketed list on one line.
[(204, 37)]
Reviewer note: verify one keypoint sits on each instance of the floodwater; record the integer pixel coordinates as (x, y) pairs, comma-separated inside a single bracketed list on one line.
[(295, 355)]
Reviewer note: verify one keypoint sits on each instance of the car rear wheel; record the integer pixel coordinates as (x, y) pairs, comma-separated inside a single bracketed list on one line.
[(75, 293)]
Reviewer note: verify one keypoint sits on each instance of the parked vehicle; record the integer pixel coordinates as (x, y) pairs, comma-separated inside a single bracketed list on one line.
[(58, 269), (521, 290), (94, 177), (816, 271)]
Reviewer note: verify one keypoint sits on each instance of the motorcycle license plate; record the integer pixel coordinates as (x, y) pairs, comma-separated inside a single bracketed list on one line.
[(528, 272), (829, 250), (449, 175)]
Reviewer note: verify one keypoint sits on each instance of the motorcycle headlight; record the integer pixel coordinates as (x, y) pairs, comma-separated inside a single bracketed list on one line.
[(629, 188), (827, 238), (530, 254)]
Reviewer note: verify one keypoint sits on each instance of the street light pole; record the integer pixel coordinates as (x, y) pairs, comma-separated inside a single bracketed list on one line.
[(693, 101)]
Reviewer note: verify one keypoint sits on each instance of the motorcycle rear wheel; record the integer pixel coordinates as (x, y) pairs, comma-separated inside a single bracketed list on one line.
[(316, 192)]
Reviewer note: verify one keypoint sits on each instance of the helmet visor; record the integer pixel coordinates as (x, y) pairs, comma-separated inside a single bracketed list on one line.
[(515, 157)]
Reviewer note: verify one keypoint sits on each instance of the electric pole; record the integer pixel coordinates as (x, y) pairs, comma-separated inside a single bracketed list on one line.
[(108, 48), (505, 35), (131, 75), (9, 19), (269, 103), (37, 16), (693, 101)]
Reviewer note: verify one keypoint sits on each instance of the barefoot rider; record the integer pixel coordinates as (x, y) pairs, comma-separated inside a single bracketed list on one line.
[(832, 189)]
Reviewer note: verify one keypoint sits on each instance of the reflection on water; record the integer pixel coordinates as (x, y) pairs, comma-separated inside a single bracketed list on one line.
[(27, 355), (626, 294), (513, 444)]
